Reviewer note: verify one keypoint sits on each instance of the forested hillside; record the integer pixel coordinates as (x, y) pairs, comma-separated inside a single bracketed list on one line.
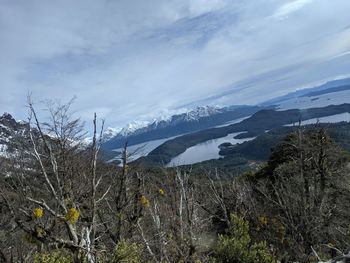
[(260, 148)]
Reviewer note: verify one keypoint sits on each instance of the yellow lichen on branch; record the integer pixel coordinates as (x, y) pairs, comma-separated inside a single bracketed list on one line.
[(161, 191), (144, 201), (72, 215), (38, 212)]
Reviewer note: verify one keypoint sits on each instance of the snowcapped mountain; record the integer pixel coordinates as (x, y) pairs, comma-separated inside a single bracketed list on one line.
[(133, 127), (168, 126), (201, 112), (136, 127), (331, 93), (110, 132), (10, 131)]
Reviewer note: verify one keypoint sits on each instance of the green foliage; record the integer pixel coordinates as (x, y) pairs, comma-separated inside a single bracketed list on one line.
[(57, 256), (126, 252), (237, 247), (304, 189)]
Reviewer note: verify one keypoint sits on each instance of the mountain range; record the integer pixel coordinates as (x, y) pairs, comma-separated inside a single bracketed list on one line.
[(191, 121), (167, 137), (152, 135)]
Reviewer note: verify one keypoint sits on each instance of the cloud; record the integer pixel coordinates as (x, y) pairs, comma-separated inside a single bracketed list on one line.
[(199, 7), (291, 7), (133, 59)]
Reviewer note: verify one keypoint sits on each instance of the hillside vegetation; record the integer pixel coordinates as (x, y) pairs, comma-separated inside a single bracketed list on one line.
[(59, 203)]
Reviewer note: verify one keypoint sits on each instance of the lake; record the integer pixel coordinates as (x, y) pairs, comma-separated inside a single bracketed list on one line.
[(205, 151)]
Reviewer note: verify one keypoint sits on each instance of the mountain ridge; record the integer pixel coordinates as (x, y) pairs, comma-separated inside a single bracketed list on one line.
[(200, 118)]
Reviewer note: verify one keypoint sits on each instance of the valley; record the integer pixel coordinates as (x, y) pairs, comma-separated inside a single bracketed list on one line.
[(325, 104)]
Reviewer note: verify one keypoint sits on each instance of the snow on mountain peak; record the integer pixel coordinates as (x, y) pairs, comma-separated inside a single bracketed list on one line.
[(203, 111), (163, 119), (134, 126), (6, 115), (7, 118), (131, 127), (9, 129), (110, 132)]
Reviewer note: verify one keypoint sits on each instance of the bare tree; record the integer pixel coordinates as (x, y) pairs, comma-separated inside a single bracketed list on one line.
[(60, 194)]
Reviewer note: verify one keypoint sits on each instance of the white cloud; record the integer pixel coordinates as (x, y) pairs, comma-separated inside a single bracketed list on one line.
[(134, 59), (291, 7), (199, 7)]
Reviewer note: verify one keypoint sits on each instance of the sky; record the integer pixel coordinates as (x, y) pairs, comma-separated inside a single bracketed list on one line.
[(136, 60)]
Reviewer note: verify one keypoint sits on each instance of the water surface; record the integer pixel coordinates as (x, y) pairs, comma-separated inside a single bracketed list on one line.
[(205, 151)]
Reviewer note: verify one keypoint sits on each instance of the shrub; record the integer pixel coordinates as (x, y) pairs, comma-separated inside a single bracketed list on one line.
[(236, 245), (126, 252), (56, 256)]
